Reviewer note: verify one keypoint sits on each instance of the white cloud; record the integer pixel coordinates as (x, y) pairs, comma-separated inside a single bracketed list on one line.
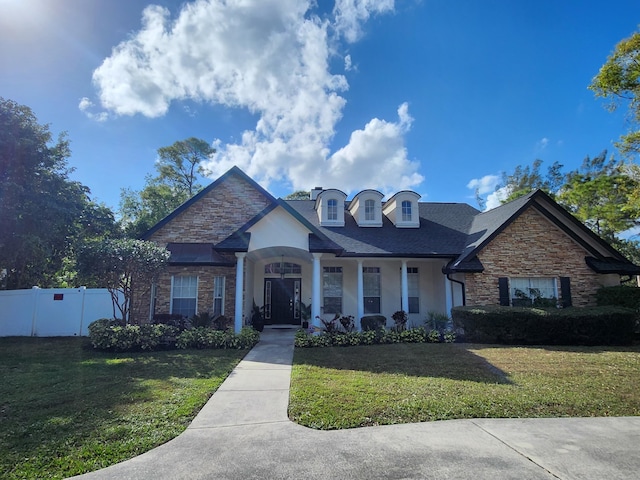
[(272, 58), (484, 185), (542, 144), (347, 63), (350, 14), (496, 198), (87, 105)]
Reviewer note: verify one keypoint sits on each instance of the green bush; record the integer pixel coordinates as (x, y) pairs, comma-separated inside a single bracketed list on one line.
[(370, 337), (536, 326), (107, 334), (205, 337), (621, 296)]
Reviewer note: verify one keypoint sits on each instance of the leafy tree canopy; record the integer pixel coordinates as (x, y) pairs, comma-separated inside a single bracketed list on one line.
[(120, 264), (298, 195), (44, 214), (619, 80)]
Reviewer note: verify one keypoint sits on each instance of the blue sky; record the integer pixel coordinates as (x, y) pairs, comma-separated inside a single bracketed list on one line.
[(433, 96)]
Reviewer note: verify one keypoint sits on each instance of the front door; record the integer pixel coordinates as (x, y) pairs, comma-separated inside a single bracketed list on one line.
[(282, 301)]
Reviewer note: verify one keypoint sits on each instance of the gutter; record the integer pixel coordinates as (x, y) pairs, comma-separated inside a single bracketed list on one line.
[(464, 297)]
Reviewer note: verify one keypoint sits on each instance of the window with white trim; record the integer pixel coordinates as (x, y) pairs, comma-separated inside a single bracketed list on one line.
[(332, 289), (413, 282), (184, 295), (371, 284), (537, 292), (218, 296), (369, 210), (406, 211), (332, 209)]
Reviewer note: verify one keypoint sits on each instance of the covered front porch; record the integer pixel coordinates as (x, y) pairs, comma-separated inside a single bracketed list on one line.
[(292, 285)]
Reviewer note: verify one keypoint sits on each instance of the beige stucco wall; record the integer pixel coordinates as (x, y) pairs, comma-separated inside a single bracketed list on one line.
[(532, 246)]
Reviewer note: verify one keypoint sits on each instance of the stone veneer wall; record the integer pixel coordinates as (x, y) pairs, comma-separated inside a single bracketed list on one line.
[(532, 246), (211, 219)]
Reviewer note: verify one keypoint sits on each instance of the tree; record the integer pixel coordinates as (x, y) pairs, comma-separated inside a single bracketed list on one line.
[(526, 179), (43, 213), (120, 264), (177, 180), (619, 80), (298, 195), (598, 194)]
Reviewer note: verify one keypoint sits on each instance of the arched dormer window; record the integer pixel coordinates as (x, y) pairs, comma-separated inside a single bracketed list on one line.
[(330, 207), (406, 210), (369, 210), (402, 209), (366, 208), (332, 210)]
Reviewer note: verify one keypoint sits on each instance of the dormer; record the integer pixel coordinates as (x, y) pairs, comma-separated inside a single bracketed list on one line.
[(402, 209), (366, 208), (330, 207)]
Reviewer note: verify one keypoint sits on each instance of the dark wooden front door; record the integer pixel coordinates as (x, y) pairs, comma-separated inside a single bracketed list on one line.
[(282, 300)]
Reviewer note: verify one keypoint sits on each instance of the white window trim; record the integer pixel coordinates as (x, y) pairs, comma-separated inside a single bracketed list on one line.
[(222, 298), (379, 296), (171, 298), (341, 272)]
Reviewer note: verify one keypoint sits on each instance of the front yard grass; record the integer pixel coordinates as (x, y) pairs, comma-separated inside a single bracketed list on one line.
[(67, 409), (401, 383)]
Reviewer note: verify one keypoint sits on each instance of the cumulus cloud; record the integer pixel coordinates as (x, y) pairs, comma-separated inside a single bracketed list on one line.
[(484, 185), (496, 198), (542, 144), (272, 58)]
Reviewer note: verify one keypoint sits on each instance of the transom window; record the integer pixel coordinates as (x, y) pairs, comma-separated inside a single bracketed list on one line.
[(371, 284), (369, 210), (539, 292), (278, 268), (406, 211), (184, 295), (332, 209), (332, 289)]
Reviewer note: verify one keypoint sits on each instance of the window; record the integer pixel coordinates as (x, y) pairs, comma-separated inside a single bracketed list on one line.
[(332, 289), (406, 211), (184, 294), (282, 268), (369, 210), (539, 292), (332, 209), (218, 296), (414, 289), (371, 280)]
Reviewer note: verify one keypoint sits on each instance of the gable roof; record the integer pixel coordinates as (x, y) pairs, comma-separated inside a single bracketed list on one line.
[(487, 225), (202, 193)]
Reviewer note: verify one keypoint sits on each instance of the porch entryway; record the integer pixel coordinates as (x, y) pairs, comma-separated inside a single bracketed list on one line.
[(282, 301)]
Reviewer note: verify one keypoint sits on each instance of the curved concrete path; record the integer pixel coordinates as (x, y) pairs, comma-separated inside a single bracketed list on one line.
[(243, 432)]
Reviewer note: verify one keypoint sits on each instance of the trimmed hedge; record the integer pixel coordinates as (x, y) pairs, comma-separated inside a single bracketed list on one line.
[(536, 326), (373, 322), (373, 337), (621, 296), (114, 335)]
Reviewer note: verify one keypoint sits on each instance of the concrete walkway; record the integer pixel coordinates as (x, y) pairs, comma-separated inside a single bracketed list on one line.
[(243, 432)]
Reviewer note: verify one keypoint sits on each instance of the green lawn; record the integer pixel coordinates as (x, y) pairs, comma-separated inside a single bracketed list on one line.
[(386, 384), (66, 409)]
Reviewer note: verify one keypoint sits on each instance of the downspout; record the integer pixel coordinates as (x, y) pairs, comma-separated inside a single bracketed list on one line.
[(464, 297)]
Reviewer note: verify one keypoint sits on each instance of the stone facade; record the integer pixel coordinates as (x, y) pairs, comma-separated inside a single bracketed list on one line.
[(211, 219), (532, 246)]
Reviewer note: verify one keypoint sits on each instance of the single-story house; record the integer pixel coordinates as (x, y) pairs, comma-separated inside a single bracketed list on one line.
[(234, 245)]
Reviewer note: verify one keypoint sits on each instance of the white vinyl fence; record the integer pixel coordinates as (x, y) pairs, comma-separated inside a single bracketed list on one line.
[(52, 312)]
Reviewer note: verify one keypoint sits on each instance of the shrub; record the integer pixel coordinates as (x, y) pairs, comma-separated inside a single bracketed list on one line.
[(535, 326), (222, 323), (106, 334), (373, 322), (369, 337), (400, 318), (437, 321), (202, 319), (172, 319)]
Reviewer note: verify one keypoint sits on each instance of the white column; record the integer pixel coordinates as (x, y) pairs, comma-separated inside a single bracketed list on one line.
[(316, 285), (405, 287), (448, 295), (360, 296), (239, 291)]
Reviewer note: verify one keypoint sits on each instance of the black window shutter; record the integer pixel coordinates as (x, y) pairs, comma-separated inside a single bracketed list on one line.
[(565, 288), (503, 286)]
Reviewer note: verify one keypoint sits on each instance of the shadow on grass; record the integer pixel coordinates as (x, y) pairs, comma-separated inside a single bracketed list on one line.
[(59, 394), (594, 349), (450, 361)]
